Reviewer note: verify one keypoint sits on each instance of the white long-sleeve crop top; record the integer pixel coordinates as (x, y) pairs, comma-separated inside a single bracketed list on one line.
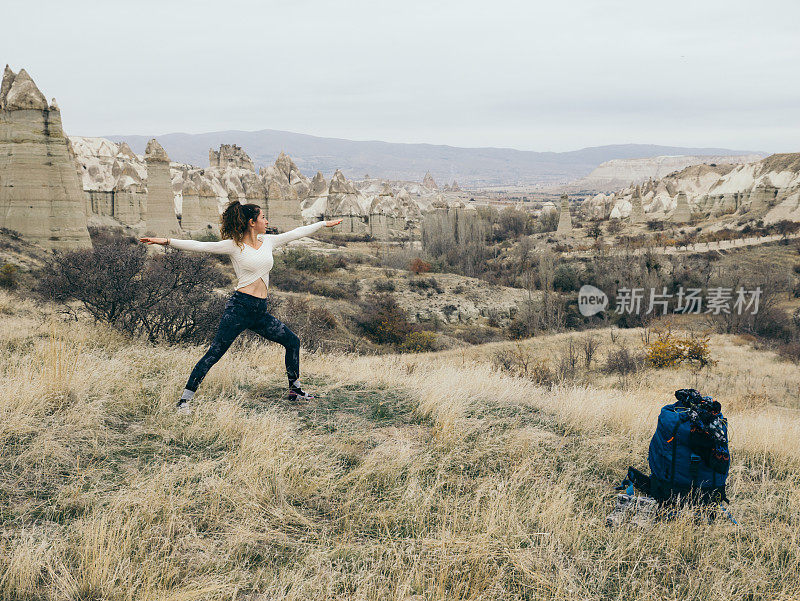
[(249, 263)]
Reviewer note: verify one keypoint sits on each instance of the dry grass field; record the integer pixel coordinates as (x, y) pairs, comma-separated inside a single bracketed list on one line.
[(413, 477)]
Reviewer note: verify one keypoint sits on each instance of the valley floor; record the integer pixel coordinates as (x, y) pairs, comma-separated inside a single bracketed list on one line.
[(431, 476)]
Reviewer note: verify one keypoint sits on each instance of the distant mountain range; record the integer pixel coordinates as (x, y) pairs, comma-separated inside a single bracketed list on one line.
[(468, 166)]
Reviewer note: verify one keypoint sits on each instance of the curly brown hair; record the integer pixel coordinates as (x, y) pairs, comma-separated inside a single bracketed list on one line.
[(235, 220)]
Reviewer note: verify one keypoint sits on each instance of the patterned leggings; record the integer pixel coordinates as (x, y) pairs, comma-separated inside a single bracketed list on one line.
[(243, 312)]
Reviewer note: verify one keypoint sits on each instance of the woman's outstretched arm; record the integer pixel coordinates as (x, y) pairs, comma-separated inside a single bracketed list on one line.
[(222, 247), (299, 232)]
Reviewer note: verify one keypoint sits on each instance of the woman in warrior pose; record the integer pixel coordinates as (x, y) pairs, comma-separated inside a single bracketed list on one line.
[(244, 240)]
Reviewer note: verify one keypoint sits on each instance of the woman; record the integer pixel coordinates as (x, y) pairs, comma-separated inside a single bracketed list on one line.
[(243, 229)]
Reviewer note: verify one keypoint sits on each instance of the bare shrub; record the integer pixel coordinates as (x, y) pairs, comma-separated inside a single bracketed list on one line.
[(457, 240), (384, 321), (303, 259), (384, 286), (8, 276), (790, 351), (425, 284), (309, 321), (590, 343), (521, 362), (622, 362), (478, 335), (568, 361), (168, 296)]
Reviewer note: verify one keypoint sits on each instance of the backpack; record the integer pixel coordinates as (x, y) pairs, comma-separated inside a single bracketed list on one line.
[(689, 457)]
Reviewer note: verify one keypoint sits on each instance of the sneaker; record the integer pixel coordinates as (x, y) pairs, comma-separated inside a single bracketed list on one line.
[(622, 504), (184, 407), (644, 511), (297, 393)]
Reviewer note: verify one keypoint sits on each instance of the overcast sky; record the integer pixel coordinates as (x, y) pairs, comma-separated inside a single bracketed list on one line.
[(523, 74)]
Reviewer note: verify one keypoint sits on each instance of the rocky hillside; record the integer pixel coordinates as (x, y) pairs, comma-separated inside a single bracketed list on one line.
[(768, 189), (616, 174)]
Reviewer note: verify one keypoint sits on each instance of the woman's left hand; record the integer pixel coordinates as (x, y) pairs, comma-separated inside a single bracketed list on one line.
[(333, 223)]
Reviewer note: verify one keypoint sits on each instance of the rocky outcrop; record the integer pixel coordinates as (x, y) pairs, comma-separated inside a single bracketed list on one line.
[(114, 179), (160, 218), (346, 203), (40, 192), (429, 182), (682, 213), (386, 217), (286, 187), (564, 219), (230, 155), (318, 185), (637, 210), (765, 189), (615, 174)]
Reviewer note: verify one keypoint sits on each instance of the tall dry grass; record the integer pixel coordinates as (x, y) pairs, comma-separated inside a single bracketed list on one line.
[(412, 477)]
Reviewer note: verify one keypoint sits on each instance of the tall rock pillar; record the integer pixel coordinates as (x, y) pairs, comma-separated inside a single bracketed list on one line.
[(160, 218), (41, 195), (682, 213), (637, 210), (565, 219)]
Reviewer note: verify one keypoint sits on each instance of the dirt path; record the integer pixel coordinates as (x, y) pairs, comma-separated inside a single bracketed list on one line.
[(699, 247)]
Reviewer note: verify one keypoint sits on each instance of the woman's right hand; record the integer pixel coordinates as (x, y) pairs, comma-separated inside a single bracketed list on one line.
[(161, 241)]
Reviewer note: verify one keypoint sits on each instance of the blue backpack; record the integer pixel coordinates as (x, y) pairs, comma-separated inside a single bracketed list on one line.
[(682, 463)]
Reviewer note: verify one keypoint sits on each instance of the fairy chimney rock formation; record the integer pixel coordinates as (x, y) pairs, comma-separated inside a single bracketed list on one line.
[(40, 192), (125, 151), (565, 219), (637, 210), (160, 218), (344, 202), (429, 182), (230, 155), (318, 185), (682, 213)]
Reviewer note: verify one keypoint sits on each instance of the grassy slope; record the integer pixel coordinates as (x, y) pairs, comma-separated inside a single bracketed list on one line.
[(413, 477)]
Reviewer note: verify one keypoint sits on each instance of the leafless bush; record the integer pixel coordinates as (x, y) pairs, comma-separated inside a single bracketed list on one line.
[(589, 346), (521, 362), (311, 322), (568, 361), (457, 240), (623, 362), (167, 296)]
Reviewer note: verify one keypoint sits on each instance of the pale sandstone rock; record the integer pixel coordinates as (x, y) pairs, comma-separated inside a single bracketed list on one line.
[(23, 94), (160, 217), (564, 219), (682, 213), (637, 210), (40, 192), (346, 203), (385, 215), (230, 155), (318, 185)]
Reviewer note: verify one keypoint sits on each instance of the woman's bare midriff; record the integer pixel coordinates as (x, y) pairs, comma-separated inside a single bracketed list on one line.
[(257, 289)]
